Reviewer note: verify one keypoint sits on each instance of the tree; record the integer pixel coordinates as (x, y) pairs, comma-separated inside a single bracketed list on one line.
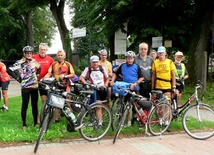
[(146, 19), (17, 21)]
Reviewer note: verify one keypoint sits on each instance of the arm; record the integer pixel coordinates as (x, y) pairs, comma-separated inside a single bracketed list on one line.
[(173, 79), (71, 71), (82, 79)]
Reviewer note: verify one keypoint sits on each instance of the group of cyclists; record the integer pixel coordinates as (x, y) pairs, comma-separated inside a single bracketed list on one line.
[(143, 72)]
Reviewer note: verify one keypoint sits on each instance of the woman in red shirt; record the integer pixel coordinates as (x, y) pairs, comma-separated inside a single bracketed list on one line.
[(5, 81)]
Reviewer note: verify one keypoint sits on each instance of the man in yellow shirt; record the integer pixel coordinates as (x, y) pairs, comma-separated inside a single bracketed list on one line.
[(108, 66)]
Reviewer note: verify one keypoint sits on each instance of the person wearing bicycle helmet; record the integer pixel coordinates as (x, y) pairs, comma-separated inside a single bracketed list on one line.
[(29, 71), (131, 73), (181, 73)]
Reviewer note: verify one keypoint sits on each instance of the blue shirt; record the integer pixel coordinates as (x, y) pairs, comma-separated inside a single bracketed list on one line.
[(130, 73)]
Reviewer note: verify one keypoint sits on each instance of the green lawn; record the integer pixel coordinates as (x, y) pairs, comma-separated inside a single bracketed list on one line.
[(11, 124)]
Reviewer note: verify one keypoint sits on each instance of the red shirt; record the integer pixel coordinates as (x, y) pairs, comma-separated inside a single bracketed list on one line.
[(45, 63), (4, 77)]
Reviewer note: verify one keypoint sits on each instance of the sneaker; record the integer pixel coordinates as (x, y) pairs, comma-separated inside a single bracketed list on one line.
[(4, 109), (57, 121), (140, 125)]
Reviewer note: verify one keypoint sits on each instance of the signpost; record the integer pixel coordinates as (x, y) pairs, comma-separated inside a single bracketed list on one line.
[(157, 41), (77, 32)]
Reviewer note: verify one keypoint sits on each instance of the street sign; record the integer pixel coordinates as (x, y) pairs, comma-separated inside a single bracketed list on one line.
[(157, 41), (168, 43), (77, 32), (120, 41)]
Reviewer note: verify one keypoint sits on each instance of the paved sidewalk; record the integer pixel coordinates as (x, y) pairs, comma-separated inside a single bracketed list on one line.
[(14, 88), (179, 144)]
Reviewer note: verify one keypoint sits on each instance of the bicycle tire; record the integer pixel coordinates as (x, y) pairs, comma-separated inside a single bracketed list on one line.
[(157, 122), (42, 111), (42, 131), (91, 130), (121, 124), (196, 128), (117, 112)]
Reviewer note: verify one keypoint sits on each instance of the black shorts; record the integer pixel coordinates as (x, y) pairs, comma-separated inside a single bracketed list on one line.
[(100, 95), (5, 85), (42, 91)]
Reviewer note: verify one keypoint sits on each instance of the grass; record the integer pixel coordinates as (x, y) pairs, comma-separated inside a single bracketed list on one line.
[(11, 124)]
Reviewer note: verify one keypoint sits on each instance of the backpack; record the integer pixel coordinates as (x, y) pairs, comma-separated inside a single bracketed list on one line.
[(100, 69)]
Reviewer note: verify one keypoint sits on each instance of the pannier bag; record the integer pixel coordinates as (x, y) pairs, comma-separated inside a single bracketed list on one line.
[(120, 87)]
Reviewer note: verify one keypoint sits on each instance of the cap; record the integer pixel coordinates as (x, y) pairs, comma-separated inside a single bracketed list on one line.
[(161, 49), (179, 53), (94, 58), (152, 51), (103, 52)]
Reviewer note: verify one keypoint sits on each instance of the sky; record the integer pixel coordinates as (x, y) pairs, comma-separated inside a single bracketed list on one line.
[(56, 42)]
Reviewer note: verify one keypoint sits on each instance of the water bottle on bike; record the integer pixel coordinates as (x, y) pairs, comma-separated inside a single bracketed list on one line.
[(71, 114)]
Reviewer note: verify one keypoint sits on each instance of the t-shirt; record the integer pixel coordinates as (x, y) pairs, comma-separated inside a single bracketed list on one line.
[(4, 77), (45, 63), (163, 71), (145, 66), (107, 66), (96, 77), (58, 69), (130, 73)]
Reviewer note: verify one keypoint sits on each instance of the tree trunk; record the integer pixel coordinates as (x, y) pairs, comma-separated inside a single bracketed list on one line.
[(57, 11), (27, 20), (199, 42)]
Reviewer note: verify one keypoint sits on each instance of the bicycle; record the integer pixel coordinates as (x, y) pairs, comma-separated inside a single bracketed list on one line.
[(159, 114), (88, 124), (197, 119)]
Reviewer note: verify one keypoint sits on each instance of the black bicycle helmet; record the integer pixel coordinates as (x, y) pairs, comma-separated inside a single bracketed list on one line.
[(130, 54), (28, 49)]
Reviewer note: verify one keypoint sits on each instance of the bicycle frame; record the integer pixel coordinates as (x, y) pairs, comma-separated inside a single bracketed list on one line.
[(177, 110)]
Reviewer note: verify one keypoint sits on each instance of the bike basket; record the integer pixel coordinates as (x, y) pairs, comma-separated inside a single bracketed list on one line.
[(56, 101), (120, 87)]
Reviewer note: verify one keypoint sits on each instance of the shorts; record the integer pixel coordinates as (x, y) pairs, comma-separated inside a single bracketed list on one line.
[(165, 90), (5, 85), (100, 95), (43, 92)]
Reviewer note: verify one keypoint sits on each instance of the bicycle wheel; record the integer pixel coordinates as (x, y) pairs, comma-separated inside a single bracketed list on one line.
[(159, 118), (121, 124), (42, 111), (198, 121), (42, 131), (117, 112), (96, 122)]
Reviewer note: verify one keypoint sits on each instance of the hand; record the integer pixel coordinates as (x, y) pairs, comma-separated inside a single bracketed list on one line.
[(132, 87), (111, 83), (86, 86), (62, 76), (102, 88)]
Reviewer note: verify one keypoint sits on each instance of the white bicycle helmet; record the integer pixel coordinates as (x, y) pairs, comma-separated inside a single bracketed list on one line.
[(28, 49), (130, 54)]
